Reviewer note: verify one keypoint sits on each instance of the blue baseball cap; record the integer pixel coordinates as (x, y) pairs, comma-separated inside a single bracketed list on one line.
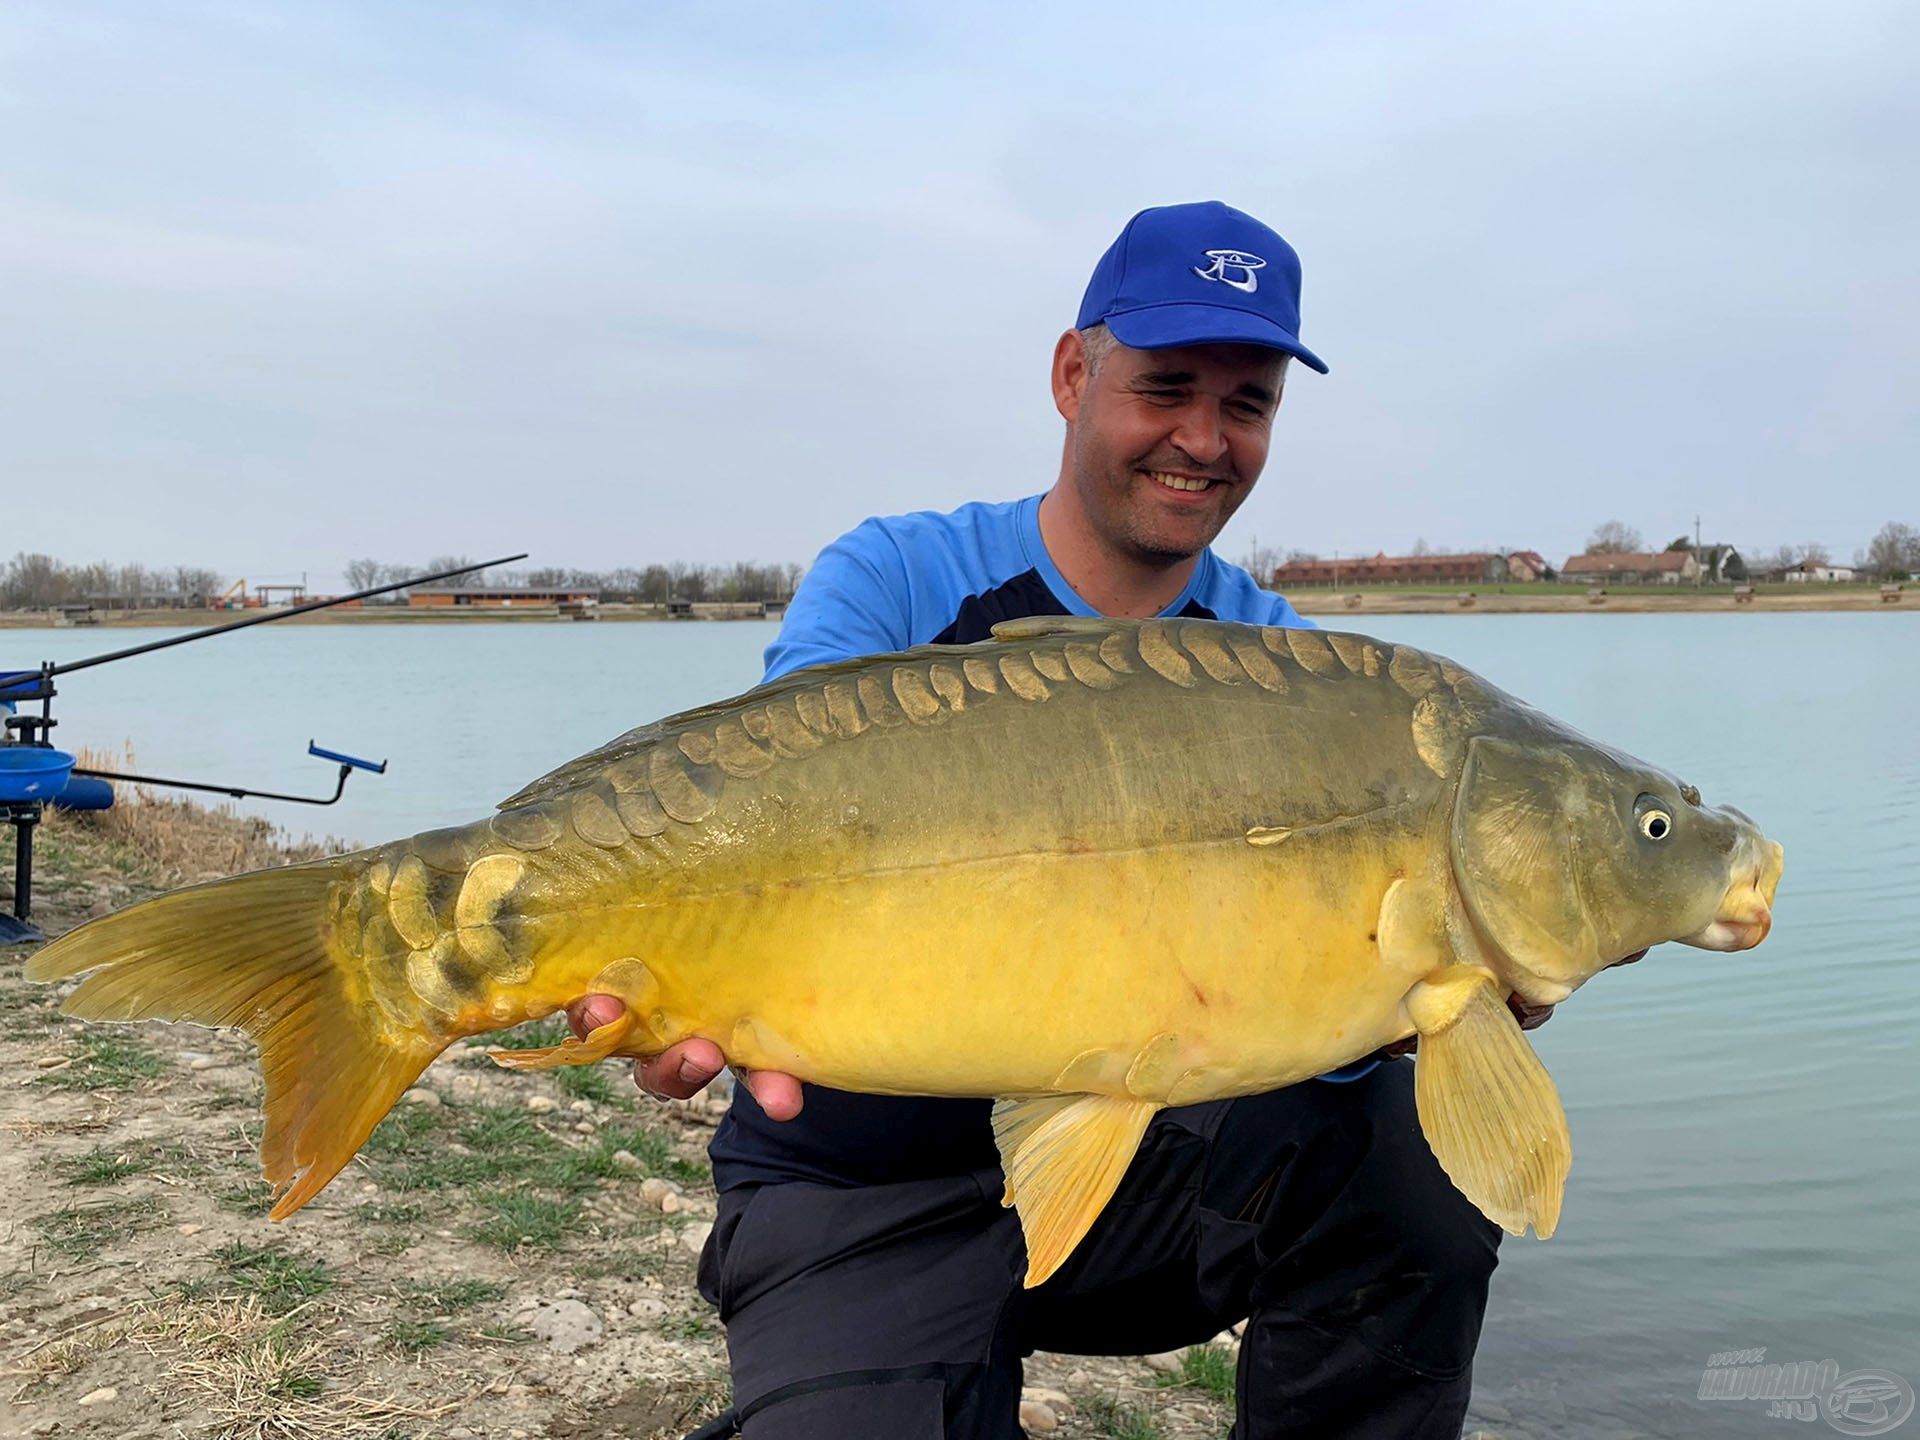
[(1203, 274)]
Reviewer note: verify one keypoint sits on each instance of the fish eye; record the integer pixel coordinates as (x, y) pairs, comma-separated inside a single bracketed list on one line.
[(1651, 814)]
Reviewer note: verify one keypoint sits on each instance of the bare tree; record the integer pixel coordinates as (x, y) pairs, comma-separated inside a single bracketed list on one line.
[(1614, 537), (1259, 561), (1812, 552), (472, 580), (365, 574), (1421, 547), (1895, 551)]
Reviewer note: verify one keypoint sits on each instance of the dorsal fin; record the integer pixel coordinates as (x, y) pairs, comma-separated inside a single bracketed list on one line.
[(1034, 627)]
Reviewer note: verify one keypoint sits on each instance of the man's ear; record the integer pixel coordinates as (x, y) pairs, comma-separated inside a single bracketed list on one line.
[(1070, 375)]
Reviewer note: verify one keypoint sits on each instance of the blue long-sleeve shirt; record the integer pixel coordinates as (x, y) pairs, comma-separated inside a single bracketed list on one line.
[(889, 584)]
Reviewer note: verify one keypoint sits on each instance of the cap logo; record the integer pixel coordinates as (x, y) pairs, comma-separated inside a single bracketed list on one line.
[(1237, 260)]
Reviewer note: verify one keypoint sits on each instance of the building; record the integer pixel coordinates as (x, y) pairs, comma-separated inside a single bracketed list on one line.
[(482, 597), (1810, 572), (1662, 567), (1385, 569), (1524, 565)]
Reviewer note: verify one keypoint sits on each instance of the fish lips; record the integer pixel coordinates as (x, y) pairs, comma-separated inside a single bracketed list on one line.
[(1745, 915)]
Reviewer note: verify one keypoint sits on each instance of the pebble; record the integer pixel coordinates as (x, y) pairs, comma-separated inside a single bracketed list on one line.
[(626, 1160), (1056, 1400), (100, 1396), (648, 1307), (190, 1229), (1037, 1418), (205, 1062), (47, 1062), (99, 908), (460, 1432), (456, 1053), (581, 1107), (583, 1127), (694, 1238), (1167, 1362), (429, 1098), (542, 1104), (654, 1191), (672, 1204), (566, 1325)]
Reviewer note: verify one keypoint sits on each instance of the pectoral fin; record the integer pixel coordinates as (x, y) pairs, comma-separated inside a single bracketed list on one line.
[(1487, 1104), (1063, 1156), (598, 1045)]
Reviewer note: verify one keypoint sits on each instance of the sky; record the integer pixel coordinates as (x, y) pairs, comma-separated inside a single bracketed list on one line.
[(282, 285)]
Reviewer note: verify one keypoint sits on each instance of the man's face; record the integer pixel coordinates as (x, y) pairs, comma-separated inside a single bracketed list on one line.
[(1164, 445)]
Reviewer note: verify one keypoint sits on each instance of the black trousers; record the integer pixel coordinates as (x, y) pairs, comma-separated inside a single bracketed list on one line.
[(1316, 1213)]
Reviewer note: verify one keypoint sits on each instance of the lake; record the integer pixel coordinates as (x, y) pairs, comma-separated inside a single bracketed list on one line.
[(1745, 1171)]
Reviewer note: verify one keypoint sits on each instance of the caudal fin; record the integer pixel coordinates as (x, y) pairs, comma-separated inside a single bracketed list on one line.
[(252, 952)]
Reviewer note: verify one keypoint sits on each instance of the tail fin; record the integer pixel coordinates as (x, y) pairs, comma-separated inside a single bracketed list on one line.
[(252, 952)]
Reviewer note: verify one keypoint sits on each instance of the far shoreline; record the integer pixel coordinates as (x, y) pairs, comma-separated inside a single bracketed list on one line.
[(1541, 599)]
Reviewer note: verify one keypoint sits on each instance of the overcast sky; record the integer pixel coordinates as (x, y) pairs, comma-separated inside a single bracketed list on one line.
[(285, 284)]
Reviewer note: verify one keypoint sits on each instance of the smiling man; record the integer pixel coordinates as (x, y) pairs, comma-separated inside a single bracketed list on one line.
[(867, 1272)]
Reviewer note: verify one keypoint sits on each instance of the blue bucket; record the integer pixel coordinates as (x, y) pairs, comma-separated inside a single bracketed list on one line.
[(33, 772)]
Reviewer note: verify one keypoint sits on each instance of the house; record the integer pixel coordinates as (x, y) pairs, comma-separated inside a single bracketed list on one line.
[(1385, 569), (1662, 567), (428, 597), (1524, 565), (1811, 572)]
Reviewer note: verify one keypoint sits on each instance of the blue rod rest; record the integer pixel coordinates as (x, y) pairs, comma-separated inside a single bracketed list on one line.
[(358, 764)]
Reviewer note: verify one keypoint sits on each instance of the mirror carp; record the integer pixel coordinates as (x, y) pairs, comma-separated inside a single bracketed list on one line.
[(1089, 868)]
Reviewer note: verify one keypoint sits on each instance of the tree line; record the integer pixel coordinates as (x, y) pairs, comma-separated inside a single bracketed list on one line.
[(40, 582), (1892, 554), (644, 585)]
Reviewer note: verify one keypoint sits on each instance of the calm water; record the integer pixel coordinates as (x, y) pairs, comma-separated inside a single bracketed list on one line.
[(1743, 1124)]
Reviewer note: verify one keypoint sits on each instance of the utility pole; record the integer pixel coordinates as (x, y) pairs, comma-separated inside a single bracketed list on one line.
[(1697, 581)]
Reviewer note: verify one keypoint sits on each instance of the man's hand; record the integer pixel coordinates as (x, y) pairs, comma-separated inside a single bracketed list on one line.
[(684, 1070)]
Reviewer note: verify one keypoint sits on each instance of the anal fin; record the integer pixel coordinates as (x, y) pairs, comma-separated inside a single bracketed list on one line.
[(599, 1044), (1063, 1156), (1488, 1107)]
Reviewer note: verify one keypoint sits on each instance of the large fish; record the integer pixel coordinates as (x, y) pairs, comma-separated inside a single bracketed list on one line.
[(1090, 868)]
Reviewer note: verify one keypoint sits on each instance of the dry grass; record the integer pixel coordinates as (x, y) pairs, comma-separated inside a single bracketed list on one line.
[(252, 1373), (182, 840)]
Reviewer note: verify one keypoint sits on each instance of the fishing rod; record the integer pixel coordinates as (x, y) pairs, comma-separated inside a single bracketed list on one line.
[(33, 774)]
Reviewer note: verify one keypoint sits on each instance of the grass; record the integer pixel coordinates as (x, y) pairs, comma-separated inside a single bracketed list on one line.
[(416, 1336), (592, 1082), (413, 1151), (108, 1060), (520, 1220), (687, 1327), (110, 1164), (1120, 1420), (249, 1196), (81, 1232), (456, 1295), (1208, 1368), (279, 1279)]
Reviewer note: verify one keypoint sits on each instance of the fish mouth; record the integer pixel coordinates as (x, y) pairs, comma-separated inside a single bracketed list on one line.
[(1745, 915)]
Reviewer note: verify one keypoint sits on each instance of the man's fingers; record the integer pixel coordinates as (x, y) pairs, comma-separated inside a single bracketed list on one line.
[(778, 1094), (680, 1071), (590, 1012)]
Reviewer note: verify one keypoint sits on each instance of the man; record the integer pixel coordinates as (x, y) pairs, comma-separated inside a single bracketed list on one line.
[(867, 1273)]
